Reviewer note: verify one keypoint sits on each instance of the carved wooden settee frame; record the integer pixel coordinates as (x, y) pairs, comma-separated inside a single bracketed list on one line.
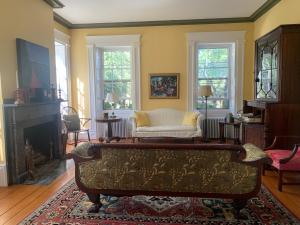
[(91, 153)]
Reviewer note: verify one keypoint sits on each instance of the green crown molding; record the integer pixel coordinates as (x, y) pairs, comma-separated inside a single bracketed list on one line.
[(257, 14), (62, 21), (54, 3), (263, 9)]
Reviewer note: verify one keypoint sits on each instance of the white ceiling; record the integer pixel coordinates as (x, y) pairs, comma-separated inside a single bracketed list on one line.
[(110, 11)]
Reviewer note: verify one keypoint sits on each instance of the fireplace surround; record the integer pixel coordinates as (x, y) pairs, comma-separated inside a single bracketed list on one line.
[(38, 124)]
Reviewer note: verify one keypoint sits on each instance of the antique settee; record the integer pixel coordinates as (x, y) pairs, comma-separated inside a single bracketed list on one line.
[(166, 122), (200, 170)]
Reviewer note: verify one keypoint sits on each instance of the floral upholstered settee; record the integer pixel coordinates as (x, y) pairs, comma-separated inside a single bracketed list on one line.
[(218, 171), (166, 122)]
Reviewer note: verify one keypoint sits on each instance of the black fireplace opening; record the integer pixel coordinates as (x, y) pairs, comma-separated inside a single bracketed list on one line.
[(39, 144)]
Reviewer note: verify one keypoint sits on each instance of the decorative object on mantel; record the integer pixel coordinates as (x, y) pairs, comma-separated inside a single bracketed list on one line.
[(53, 95), (164, 85), (69, 206), (19, 96), (59, 93), (112, 98), (205, 91)]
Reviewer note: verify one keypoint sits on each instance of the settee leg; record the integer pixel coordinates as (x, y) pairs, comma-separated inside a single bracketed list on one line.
[(94, 198), (239, 204)]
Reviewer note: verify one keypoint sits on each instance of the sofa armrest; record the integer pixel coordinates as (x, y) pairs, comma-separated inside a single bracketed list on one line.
[(253, 153), (199, 119), (284, 142), (133, 125), (82, 153)]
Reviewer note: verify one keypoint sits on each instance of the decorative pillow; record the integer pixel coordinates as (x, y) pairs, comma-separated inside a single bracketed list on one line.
[(190, 118), (142, 119), (72, 122)]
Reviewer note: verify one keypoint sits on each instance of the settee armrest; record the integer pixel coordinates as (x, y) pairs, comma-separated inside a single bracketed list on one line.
[(284, 142), (82, 153), (253, 153), (199, 119), (133, 125)]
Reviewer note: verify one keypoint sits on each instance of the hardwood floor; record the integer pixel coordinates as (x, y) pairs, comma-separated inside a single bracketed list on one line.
[(18, 201)]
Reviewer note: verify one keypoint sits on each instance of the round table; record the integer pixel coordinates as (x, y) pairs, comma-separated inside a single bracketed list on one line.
[(109, 121)]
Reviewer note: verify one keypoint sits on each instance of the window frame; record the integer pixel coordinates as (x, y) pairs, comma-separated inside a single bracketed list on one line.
[(94, 46), (237, 39), (230, 77), (117, 111), (64, 39)]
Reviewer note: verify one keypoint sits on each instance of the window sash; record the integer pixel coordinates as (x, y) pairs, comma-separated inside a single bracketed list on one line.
[(112, 81), (209, 79)]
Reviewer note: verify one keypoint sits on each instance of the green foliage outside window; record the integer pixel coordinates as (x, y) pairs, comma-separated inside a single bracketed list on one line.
[(117, 77), (213, 69)]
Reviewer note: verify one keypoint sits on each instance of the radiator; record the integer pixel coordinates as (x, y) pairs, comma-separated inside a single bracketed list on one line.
[(3, 175), (213, 128), (119, 129), (123, 128)]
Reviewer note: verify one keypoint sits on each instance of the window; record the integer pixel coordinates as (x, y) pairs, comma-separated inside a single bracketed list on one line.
[(62, 67), (214, 68), (216, 58), (117, 77), (114, 67)]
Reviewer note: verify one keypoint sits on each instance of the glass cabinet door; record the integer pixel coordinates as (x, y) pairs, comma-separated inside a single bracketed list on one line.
[(267, 71)]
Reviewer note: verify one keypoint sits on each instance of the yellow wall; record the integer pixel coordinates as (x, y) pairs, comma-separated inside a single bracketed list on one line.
[(31, 20), (285, 12), (163, 50), (62, 28)]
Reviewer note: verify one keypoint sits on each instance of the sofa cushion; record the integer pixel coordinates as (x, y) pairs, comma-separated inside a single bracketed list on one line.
[(166, 128), (142, 119), (277, 155), (190, 119)]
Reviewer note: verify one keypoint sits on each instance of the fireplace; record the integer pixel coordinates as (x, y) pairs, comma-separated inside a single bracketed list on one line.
[(33, 137)]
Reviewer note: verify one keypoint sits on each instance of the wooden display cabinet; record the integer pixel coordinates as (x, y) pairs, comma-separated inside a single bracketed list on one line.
[(276, 92)]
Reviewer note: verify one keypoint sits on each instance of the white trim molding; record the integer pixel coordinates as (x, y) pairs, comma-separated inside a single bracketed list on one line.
[(95, 45), (64, 39), (237, 39), (61, 37), (3, 175)]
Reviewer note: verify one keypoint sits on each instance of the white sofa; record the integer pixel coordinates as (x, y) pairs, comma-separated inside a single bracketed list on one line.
[(166, 122)]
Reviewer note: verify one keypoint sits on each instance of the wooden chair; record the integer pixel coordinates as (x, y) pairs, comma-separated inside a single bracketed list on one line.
[(73, 123), (285, 153)]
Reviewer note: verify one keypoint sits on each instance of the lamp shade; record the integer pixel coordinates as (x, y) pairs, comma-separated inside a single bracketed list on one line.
[(111, 98), (205, 90)]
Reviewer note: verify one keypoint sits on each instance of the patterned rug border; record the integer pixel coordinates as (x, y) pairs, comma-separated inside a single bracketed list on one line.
[(282, 205), (38, 211)]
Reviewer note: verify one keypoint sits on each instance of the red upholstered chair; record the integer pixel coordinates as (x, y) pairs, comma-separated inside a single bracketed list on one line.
[(285, 153)]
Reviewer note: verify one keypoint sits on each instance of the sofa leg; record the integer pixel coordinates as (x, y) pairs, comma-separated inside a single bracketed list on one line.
[(239, 204), (94, 198)]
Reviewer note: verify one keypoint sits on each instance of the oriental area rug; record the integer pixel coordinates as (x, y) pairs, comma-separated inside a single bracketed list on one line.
[(69, 206)]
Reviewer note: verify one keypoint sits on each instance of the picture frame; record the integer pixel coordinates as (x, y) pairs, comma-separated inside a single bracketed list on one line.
[(164, 85)]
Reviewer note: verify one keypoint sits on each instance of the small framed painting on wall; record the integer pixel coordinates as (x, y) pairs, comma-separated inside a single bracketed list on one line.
[(164, 85)]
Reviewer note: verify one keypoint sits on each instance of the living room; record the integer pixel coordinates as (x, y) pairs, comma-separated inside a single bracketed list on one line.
[(160, 43)]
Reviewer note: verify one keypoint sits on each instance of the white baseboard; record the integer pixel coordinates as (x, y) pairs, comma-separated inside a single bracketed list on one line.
[(3, 175)]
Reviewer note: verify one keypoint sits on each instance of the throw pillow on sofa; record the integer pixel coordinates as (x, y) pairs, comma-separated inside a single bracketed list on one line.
[(142, 119), (190, 119)]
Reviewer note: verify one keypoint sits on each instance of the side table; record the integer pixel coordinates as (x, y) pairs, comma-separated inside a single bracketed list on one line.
[(236, 131), (109, 121)]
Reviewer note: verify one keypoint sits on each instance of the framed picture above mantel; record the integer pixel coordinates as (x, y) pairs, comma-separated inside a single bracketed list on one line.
[(164, 85)]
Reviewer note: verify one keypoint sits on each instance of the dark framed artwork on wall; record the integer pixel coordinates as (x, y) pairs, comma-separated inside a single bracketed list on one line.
[(164, 85)]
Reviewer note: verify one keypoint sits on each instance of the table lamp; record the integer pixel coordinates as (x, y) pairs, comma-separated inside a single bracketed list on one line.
[(205, 91), (112, 98)]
